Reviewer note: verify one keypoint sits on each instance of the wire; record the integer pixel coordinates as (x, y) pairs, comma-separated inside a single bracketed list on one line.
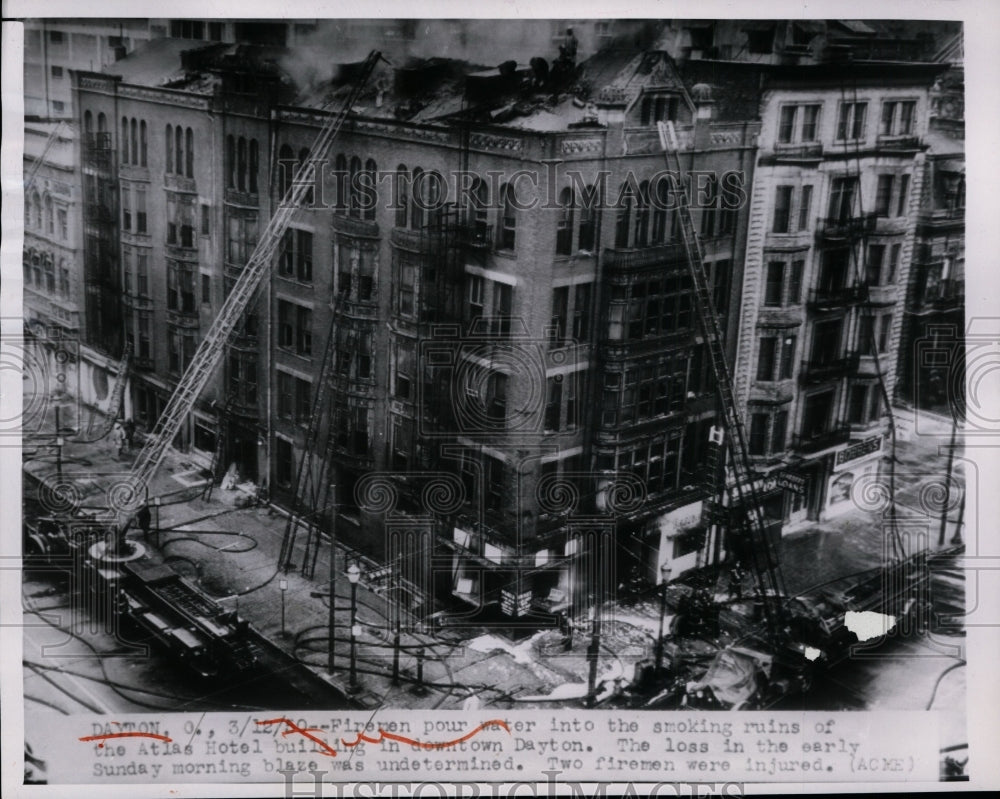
[(941, 676), (45, 702), (70, 694)]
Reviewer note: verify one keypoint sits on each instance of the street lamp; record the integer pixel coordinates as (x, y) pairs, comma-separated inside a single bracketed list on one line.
[(665, 573), (353, 575)]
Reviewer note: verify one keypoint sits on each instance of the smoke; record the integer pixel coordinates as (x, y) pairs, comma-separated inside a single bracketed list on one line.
[(313, 59)]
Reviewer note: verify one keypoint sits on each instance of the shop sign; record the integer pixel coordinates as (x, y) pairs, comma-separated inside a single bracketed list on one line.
[(854, 452)]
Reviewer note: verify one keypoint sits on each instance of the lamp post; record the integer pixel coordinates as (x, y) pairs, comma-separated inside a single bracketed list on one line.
[(665, 573), (353, 575), (283, 586)]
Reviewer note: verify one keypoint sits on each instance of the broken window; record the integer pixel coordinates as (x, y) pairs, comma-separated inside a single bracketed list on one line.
[(180, 286), (842, 192), (283, 462), (296, 255), (242, 234)]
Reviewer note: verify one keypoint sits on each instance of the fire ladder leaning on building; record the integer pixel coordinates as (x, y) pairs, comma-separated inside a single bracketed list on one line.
[(212, 348), (114, 401), (745, 509)]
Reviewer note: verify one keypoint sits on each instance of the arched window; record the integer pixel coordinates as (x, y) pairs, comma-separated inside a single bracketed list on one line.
[(189, 153), (355, 201), (416, 191), (230, 162), (124, 139), (88, 122), (170, 148), (143, 146), (588, 218), (371, 176), (622, 223), (254, 165), (241, 164), (508, 218), (564, 227), (342, 177), (50, 222), (402, 198), (434, 197), (135, 142), (303, 159), (102, 123), (179, 150), (641, 237)]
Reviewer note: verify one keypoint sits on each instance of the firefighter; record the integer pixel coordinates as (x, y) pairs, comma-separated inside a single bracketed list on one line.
[(144, 519), (736, 582)]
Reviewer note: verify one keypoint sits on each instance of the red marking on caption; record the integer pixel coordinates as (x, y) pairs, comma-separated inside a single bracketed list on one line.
[(329, 751)]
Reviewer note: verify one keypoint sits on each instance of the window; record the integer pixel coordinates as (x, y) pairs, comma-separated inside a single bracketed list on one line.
[(169, 148), (883, 194), (581, 312), (402, 196), (294, 327), (63, 224), (709, 211), (140, 209), (56, 37), (143, 144), (564, 228), (369, 184), (758, 433), (476, 284), (296, 255), (126, 207), (508, 218), (782, 208), (124, 140), (145, 336), (588, 219), (283, 462), (560, 302), (786, 124), (503, 303), (405, 302), (795, 282), (188, 153), (884, 333), (766, 359), (897, 118), (553, 403), (775, 357), (842, 191), (873, 267), (135, 142), (774, 283), (405, 366), (807, 117), (904, 190), (817, 415), (180, 287), (242, 234), (205, 219), (851, 122), (181, 348), (206, 289), (864, 404), (142, 274), (890, 276), (805, 207)]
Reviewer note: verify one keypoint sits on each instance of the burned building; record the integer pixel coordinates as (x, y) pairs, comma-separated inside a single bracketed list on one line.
[(528, 340)]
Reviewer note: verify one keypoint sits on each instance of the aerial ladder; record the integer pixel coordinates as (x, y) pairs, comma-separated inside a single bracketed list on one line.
[(212, 348), (745, 509)]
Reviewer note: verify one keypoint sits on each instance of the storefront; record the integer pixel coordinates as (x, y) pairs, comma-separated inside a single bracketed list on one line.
[(684, 542), (854, 462)]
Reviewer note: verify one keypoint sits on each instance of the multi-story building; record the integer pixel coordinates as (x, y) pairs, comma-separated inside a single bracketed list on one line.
[(935, 307), (534, 355), (839, 178)]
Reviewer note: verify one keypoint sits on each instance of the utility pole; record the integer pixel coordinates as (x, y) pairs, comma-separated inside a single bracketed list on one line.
[(333, 578)]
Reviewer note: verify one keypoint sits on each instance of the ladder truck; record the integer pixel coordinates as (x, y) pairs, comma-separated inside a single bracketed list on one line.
[(212, 348), (745, 510)]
